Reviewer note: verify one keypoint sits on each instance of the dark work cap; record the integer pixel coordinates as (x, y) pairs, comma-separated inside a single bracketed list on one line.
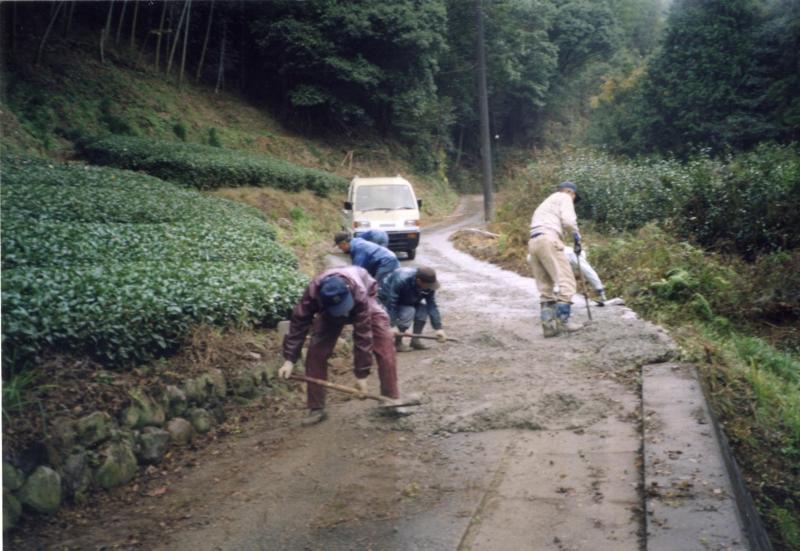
[(572, 187), (336, 296), (428, 277)]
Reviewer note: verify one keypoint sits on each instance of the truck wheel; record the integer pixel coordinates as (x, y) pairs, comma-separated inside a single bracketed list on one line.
[(411, 254)]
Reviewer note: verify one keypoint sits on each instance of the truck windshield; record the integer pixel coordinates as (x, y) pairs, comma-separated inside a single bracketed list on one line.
[(386, 197)]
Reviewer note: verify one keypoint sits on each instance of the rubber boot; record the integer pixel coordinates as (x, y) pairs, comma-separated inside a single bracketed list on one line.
[(399, 346), (548, 316), (417, 344), (563, 310)]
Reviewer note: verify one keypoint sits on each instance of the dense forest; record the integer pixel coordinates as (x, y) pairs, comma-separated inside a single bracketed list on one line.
[(635, 76)]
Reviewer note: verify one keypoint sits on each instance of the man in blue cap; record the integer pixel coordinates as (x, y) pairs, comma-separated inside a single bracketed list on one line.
[(378, 261), (551, 268), (334, 298)]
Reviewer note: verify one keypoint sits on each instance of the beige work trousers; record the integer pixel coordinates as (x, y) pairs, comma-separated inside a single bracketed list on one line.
[(550, 268)]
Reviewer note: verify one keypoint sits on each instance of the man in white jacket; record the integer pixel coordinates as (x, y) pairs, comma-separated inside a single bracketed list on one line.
[(550, 265)]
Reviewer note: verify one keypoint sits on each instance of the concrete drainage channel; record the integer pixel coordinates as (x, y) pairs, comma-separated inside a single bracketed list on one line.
[(694, 495)]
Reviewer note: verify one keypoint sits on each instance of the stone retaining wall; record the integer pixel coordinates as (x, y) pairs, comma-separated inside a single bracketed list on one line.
[(104, 450)]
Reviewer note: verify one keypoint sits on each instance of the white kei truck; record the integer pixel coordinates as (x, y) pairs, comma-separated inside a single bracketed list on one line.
[(388, 204)]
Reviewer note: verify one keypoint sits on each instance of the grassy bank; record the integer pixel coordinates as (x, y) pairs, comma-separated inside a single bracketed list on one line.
[(47, 110)]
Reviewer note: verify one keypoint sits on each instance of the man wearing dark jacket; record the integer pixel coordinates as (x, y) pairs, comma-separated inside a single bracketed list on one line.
[(378, 261), (333, 299), (410, 294)]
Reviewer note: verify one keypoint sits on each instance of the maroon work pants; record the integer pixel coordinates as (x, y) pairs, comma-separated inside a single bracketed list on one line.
[(323, 341)]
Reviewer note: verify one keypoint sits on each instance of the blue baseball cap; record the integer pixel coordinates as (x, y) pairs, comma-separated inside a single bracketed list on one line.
[(572, 187), (336, 296)]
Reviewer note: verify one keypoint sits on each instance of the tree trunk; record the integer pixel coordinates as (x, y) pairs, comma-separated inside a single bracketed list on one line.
[(483, 105), (47, 32), (68, 22), (185, 40), (121, 19), (170, 27), (242, 50), (176, 37), (160, 34), (205, 43), (460, 150), (106, 31), (221, 70), (133, 25), (14, 19)]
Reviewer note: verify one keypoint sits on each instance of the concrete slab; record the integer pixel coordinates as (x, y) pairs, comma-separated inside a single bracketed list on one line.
[(563, 490), (689, 496)]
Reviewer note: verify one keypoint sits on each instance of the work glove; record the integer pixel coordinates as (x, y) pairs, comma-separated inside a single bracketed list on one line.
[(441, 336), (577, 239), (286, 369), (361, 385)]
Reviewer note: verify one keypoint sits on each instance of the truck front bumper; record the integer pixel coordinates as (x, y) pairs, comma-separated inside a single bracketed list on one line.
[(403, 241)]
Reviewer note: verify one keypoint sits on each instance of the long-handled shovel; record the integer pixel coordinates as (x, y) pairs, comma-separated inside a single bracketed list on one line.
[(433, 338), (385, 402), (583, 283)]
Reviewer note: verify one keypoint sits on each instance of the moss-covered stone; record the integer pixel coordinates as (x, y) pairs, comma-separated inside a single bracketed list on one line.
[(77, 475), (62, 435), (95, 428), (42, 491), (244, 385), (12, 510), (175, 401), (214, 381), (180, 431), (153, 443), (201, 420), (13, 478), (143, 411), (195, 390), (118, 465)]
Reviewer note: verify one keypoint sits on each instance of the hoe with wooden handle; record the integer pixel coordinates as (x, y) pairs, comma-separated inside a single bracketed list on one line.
[(385, 402)]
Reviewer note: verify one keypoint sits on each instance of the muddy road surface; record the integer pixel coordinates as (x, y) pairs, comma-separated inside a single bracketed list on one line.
[(522, 442)]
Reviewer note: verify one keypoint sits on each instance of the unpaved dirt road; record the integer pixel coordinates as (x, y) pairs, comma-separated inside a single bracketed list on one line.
[(523, 443)]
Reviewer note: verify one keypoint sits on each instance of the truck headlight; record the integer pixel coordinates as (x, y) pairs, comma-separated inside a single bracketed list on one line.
[(361, 223), (413, 223)]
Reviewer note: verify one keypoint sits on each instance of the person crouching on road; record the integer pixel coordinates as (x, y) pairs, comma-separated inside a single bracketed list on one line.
[(378, 237), (378, 261), (550, 266), (410, 294), (333, 299), (587, 272)]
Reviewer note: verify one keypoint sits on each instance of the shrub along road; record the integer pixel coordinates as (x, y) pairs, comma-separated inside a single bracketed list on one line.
[(523, 443)]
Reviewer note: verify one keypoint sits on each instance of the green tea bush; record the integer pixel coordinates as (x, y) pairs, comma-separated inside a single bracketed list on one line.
[(119, 265), (746, 202), (208, 167)]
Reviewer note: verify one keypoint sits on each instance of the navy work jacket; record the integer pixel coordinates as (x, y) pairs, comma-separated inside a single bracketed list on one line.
[(400, 289)]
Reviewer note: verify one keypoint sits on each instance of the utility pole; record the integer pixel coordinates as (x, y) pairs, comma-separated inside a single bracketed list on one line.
[(483, 100)]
